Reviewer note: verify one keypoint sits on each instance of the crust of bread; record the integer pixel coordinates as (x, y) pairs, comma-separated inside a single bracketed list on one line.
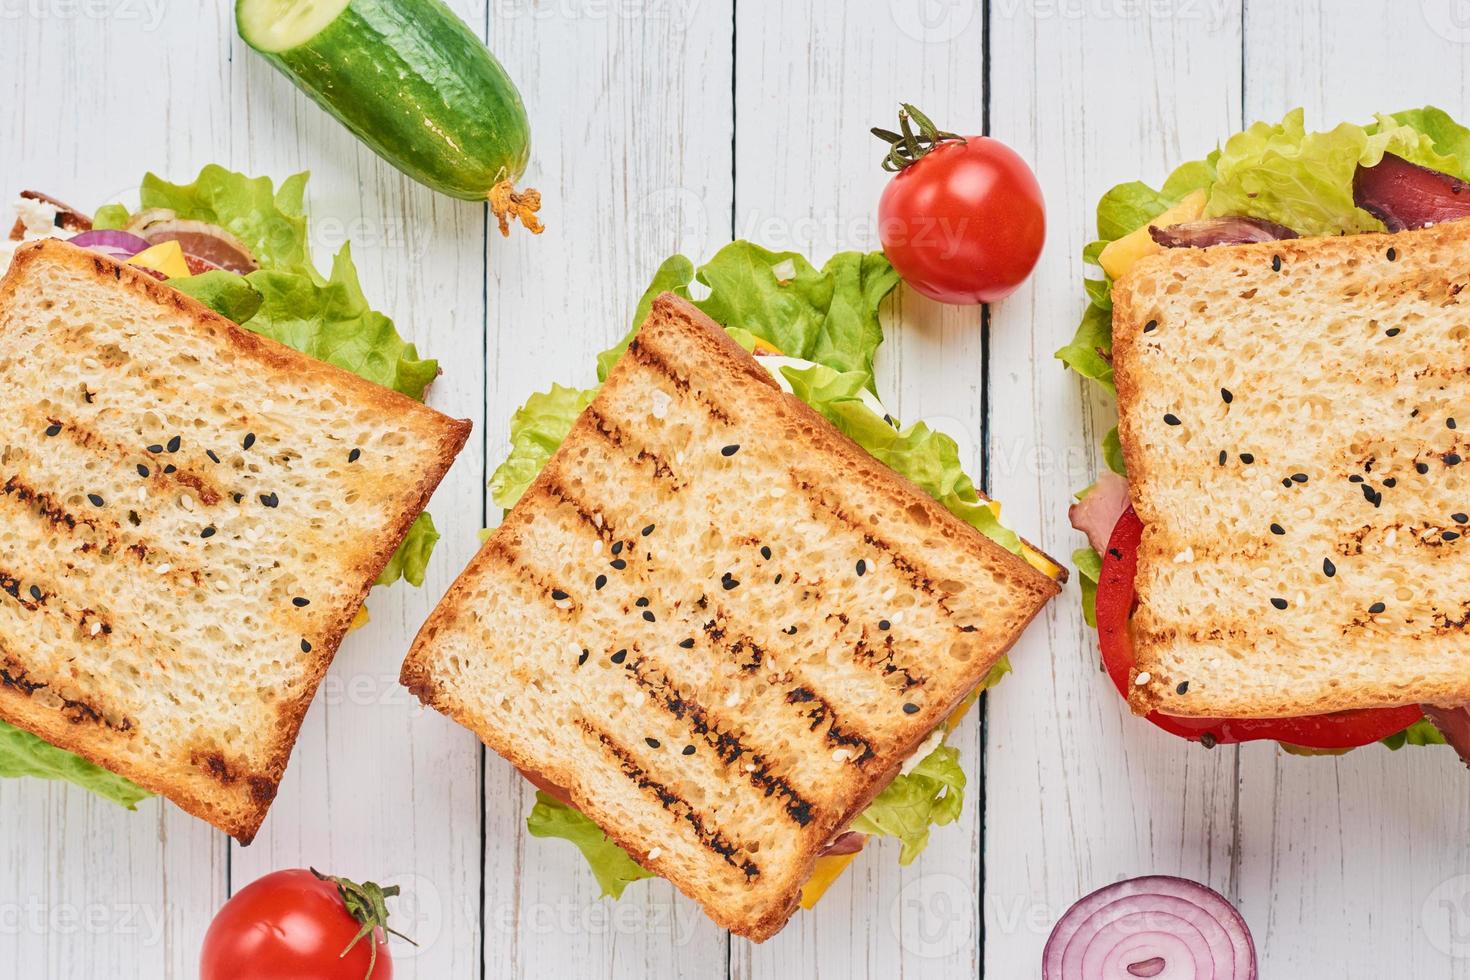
[(1315, 283), (677, 342), (232, 794)]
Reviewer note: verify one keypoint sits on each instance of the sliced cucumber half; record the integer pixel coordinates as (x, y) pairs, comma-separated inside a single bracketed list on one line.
[(280, 25)]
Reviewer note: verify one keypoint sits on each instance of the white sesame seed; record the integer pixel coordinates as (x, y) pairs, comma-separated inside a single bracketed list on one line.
[(840, 755), (1143, 678), (142, 494), (163, 569), (597, 546), (654, 853), (563, 603), (660, 403), (732, 699), (597, 520), (750, 767), (1187, 555), (186, 502), (96, 628)]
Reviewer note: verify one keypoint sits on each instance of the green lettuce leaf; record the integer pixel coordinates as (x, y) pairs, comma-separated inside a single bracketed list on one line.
[(110, 217), (610, 864), (229, 295), (929, 458), (829, 315), (1422, 732), (931, 795), (536, 429), (271, 222), (23, 754), (411, 559), (1446, 137), (1089, 570), (1112, 448), (1088, 351)]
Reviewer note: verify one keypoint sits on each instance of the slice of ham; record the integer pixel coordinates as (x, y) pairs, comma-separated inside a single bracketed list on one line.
[(1228, 230), (848, 842), (1405, 195), (1454, 725), (1096, 514)]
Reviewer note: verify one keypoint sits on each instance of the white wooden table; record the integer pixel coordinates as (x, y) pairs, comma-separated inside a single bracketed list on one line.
[(673, 125)]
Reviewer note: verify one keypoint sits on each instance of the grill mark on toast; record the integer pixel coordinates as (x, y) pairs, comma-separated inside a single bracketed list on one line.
[(32, 601), (658, 365), (864, 652), (15, 675), (613, 435), (508, 553), (43, 504), (727, 745), (214, 765), (821, 712), (710, 837)]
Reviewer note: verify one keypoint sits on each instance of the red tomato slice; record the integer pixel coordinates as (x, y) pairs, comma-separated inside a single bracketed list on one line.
[(1115, 601)]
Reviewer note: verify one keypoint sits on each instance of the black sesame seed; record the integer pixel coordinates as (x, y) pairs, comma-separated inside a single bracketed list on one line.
[(354, 456), (54, 430), (1449, 423), (1247, 458), (249, 440), (143, 471), (910, 708), (1226, 395), (1391, 483), (1286, 481), (1377, 608), (155, 448), (1171, 419), (209, 533), (687, 644), (617, 547), (1356, 478), (688, 750), (582, 659), (558, 595), (884, 624), (730, 450), (1299, 478), (1372, 496), (862, 567), (648, 616), (1328, 568), (652, 742), (1460, 518), (1279, 603), (1151, 326), (270, 499), (1391, 332), (1392, 254), (729, 581), (305, 646), (1451, 459), (237, 497), (96, 499), (170, 468), (620, 656), (175, 443), (599, 582), (1275, 263), (1183, 688), (766, 552), (211, 454), (777, 579), (1277, 529), (618, 563), (642, 602), (300, 602), (1421, 468), (1222, 457), (36, 593), (790, 630), (647, 530), (134, 519), (1449, 535)]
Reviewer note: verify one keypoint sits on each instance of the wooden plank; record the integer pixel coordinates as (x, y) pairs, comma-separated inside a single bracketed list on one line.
[(1079, 793), (1354, 865), (810, 80), (631, 115), (378, 789)]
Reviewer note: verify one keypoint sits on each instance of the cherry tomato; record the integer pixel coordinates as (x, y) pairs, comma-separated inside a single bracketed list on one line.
[(289, 925), (1115, 601), (962, 220)]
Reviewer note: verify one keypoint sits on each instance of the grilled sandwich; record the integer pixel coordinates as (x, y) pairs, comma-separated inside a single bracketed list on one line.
[(1294, 416), (192, 516), (717, 625)]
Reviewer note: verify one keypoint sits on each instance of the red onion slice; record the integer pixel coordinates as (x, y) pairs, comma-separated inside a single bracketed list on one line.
[(1158, 927), (113, 244), (1405, 195), (1227, 230)]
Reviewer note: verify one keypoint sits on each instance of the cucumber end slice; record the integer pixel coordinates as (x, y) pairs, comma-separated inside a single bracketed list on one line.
[(274, 26)]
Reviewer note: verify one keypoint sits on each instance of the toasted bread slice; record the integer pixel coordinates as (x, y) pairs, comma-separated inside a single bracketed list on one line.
[(718, 623), (1288, 417), (190, 517)]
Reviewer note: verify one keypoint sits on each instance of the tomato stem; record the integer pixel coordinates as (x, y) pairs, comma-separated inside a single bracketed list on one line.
[(367, 903), (905, 148)]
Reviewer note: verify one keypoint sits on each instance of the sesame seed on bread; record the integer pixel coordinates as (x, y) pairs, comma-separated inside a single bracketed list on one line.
[(1288, 417), (717, 623), (190, 517)]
